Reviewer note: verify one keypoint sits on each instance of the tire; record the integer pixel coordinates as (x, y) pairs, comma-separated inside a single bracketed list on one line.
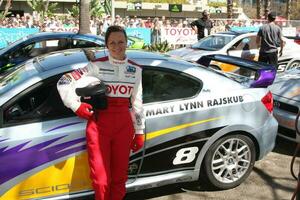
[(231, 170), (293, 65)]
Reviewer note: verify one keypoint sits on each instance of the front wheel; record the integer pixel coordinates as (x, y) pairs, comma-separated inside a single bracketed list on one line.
[(229, 161), (294, 65)]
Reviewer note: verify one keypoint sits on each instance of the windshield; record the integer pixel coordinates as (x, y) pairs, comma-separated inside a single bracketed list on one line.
[(213, 42), (15, 43)]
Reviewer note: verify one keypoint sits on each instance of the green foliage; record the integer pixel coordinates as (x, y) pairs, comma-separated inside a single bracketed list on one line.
[(161, 1), (96, 9), (158, 47), (74, 11), (2, 16), (217, 4), (44, 8), (51, 9)]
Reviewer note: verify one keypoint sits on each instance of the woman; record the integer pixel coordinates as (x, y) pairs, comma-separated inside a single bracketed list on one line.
[(113, 131)]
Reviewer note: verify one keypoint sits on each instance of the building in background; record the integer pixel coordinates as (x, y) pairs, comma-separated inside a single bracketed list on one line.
[(123, 8)]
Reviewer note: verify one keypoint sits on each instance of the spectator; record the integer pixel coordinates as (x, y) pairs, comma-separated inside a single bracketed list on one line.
[(203, 25), (155, 31), (52, 23), (107, 22), (269, 38), (185, 24), (132, 24), (148, 23)]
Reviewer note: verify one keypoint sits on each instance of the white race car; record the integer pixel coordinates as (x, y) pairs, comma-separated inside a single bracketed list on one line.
[(239, 44)]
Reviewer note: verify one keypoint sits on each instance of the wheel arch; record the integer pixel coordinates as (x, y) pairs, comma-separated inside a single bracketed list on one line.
[(202, 154), (288, 65)]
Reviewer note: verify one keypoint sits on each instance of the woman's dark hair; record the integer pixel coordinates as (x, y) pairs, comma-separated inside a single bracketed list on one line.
[(112, 29)]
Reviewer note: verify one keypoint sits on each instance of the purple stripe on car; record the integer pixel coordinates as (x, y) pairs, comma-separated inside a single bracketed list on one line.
[(15, 161), (63, 126), (3, 139)]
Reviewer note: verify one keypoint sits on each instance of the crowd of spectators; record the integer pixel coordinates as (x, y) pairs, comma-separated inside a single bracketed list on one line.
[(29, 21), (101, 24)]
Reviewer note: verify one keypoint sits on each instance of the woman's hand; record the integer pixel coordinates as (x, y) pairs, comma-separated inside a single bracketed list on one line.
[(85, 111), (137, 143)]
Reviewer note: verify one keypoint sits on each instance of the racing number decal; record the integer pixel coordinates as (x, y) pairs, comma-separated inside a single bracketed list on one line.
[(185, 155)]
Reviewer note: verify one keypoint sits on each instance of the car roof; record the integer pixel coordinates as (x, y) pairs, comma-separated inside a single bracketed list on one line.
[(237, 33), (51, 35), (61, 34), (74, 56)]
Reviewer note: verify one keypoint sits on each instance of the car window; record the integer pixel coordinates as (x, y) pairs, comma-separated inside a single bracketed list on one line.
[(213, 42), (47, 46), (247, 43), (83, 43), (38, 48), (25, 52), (20, 53), (252, 42), (163, 85), (41, 102)]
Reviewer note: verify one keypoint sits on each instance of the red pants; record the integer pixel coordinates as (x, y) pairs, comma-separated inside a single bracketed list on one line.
[(109, 136)]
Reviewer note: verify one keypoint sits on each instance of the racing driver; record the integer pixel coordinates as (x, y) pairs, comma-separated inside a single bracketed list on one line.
[(113, 131)]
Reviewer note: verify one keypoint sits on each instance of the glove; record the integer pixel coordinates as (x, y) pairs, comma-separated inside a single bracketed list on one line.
[(137, 143), (84, 111)]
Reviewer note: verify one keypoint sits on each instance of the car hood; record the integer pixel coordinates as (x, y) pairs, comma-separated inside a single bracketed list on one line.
[(287, 85), (189, 53)]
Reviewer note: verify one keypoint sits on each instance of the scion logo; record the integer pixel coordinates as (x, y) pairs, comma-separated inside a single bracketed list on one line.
[(53, 188)]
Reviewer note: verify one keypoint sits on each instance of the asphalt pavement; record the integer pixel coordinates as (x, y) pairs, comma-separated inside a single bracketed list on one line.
[(270, 179)]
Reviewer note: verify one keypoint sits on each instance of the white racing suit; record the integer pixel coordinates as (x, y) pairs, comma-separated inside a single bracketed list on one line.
[(110, 133)]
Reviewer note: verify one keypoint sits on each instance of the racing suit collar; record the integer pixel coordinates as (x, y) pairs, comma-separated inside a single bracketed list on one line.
[(117, 62)]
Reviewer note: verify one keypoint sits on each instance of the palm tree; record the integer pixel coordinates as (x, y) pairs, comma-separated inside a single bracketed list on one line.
[(42, 7), (267, 8), (7, 7), (84, 17), (288, 9), (258, 9), (229, 8)]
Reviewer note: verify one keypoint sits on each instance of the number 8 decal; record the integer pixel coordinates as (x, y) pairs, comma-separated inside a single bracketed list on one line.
[(185, 155)]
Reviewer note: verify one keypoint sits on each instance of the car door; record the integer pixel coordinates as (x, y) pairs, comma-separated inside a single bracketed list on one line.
[(162, 90), (42, 146), (245, 48)]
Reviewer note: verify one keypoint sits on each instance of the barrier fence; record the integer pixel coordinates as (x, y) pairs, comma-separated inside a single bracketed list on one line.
[(173, 35)]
